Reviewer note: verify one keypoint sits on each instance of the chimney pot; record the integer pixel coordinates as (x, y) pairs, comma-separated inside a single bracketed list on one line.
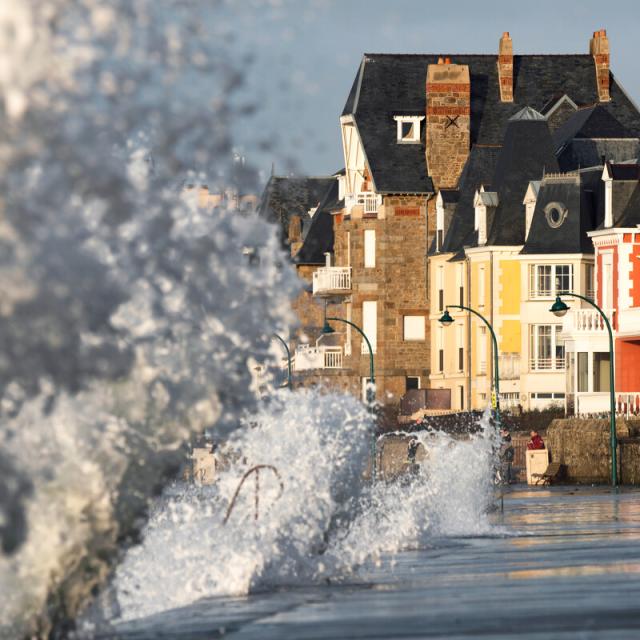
[(447, 60), (599, 49), (505, 67)]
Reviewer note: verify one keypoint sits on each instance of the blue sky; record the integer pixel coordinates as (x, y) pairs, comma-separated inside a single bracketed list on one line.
[(306, 54)]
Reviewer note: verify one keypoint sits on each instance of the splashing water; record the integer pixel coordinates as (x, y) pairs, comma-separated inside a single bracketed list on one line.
[(130, 319), (328, 521)]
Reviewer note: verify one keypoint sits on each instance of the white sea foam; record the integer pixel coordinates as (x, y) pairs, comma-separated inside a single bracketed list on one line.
[(326, 524)]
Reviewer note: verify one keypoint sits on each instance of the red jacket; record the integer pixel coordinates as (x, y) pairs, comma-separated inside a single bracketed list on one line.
[(535, 443)]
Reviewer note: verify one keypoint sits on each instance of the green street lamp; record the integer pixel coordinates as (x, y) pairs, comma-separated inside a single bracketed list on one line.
[(446, 320), (328, 329), (559, 309), (286, 348)]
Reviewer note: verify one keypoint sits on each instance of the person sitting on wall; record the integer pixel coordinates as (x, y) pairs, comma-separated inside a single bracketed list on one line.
[(536, 441)]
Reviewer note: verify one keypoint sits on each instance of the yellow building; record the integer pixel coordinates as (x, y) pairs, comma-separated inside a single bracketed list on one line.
[(506, 251)]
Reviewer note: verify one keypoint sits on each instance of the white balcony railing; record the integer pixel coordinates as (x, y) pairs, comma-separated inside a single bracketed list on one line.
[(546, 364), (585, 321), (308, 357), (370, 202), (331, 280)]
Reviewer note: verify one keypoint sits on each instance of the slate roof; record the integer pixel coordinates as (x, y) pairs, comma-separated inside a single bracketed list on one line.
[(526, 154), (286, 196), (391, 84), (477, 171), (624, 171), (630, 215), (581, 194), (319, 237), (591, 122)]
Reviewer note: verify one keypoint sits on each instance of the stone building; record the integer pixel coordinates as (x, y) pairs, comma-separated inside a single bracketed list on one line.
[(440, 151)]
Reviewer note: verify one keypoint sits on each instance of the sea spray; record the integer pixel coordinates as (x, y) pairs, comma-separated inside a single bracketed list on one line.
[(329, 521), (130, 318), (318, 443)]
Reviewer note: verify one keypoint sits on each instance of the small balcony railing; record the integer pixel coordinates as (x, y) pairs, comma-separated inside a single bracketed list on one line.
[(308, 357), (585, 321), (546, 364), (331, 280)]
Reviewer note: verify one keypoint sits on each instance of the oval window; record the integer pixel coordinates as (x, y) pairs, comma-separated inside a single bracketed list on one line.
[(556, 214)]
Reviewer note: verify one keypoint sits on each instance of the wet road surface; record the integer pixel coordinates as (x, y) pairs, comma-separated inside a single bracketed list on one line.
[(564, 564)]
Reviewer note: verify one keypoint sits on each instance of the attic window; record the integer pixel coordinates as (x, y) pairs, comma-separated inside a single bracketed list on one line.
[(556, 214), (408, 128)]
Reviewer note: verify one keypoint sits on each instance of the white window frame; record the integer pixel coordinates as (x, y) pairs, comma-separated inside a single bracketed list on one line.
[(459, 345), (482, 350), (415, 132), (606, 279), (414, 328), (590, 281), (369, 248), (369, 325), (347, 342), (481, 285), (552, 363), (540, 292)]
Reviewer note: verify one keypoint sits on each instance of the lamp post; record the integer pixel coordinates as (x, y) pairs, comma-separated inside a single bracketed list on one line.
[(559, 309), (326, 329), (447, 320), (286, 348)]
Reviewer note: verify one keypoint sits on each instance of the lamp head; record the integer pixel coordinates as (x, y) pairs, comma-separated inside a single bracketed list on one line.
[(446, 319), (327, 328), (559, 308)]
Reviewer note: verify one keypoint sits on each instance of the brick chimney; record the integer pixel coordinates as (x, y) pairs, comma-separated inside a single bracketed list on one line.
[(505, 67), (599, 49), (295, 234), (448, 136)]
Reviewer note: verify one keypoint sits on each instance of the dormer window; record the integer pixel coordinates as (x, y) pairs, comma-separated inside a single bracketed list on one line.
[(408, 128)]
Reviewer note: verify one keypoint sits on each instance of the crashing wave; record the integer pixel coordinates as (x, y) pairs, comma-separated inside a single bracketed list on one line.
[(129, 318)]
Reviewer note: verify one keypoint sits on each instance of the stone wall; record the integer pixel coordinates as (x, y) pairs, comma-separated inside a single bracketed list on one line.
[(398, 283), (582, 446)]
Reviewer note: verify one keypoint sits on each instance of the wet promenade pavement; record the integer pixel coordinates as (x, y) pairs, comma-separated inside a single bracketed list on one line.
[(564, 564)]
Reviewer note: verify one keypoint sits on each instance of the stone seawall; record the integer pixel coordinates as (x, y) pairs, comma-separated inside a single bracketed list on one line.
[(582, 446)]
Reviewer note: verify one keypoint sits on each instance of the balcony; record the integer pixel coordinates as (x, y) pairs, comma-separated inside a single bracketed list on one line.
[(309, 357), (585, 321), (331, 281), (547, 364)]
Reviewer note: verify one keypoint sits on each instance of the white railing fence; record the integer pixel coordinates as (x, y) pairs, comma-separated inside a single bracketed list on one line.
[(539, 364), (586, 320), (317, 357), (370, 202), (332, 279)]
